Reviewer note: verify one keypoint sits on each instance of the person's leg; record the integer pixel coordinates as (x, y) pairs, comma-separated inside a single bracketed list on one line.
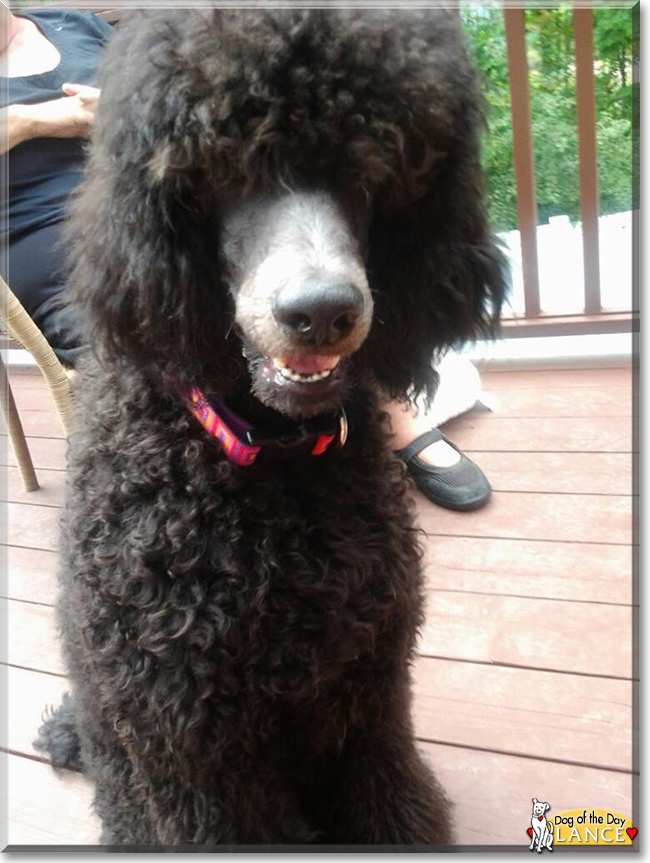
[(60, 323), (407, 424), (37, 274), (441, 470)]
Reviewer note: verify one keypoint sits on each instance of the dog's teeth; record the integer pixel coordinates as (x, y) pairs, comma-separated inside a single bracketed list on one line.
[(290, 375), (301, 377)]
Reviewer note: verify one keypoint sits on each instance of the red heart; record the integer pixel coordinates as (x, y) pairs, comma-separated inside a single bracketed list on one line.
[(530, 831), (631, 832), (540, 817)]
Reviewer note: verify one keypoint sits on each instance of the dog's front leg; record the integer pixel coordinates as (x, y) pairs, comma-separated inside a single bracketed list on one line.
[(380, 792), (543, 839), (236, 803), (118, 800)]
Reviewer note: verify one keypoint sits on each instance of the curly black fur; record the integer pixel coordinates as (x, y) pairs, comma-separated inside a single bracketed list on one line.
[(239, 639), (58, 736)]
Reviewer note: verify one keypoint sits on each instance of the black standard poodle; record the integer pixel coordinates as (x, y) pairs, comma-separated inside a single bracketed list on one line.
[(281, 224)]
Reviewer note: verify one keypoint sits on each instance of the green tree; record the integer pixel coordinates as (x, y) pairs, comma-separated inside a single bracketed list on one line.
[(550, 51)]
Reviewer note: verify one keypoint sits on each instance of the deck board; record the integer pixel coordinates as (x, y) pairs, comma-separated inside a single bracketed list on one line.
[(585, 572), (28, 399), (46, 452), (50, 493), (32, 526), (37, 424), (612, 401), (529, 515), (478, 431), (31, 637), (30, 574), (524, 686), (46, 808), (536, 633), (558, 472), (488, 706)]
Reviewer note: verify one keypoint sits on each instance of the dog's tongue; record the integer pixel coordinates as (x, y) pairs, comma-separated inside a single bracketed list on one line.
[(310, 364)]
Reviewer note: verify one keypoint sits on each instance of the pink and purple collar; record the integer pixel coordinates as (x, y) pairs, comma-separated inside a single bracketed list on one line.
[(242, 443)]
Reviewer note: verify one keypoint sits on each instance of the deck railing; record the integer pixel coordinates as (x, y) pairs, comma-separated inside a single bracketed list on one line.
[(594, 318)]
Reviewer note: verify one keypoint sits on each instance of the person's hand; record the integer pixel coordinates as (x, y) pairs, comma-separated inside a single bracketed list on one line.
[(69, 117)]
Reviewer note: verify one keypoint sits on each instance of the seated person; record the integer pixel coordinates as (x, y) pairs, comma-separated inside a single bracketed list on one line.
[(43, 123)]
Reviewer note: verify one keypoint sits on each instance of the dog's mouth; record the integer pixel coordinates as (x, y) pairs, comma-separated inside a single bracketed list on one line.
[(308, 369), (298, 384)]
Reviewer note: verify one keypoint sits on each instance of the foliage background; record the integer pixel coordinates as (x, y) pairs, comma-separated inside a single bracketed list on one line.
[(549, 44)]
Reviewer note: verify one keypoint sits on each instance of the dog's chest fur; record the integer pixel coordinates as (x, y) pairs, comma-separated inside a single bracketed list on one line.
[(265, 586)]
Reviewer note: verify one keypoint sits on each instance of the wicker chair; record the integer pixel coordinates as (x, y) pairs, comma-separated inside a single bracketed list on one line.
[(18, 325)]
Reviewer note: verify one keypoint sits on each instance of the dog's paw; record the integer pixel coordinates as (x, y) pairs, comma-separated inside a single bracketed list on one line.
[(57, 736)]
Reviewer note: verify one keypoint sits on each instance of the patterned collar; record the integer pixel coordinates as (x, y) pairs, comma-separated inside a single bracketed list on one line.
[(242, 443)]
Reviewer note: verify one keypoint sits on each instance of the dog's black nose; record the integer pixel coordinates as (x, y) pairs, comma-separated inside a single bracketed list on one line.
[(318, 314)]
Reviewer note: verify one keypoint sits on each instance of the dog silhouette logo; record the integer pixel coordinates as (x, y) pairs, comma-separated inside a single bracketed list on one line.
[(539, 831)]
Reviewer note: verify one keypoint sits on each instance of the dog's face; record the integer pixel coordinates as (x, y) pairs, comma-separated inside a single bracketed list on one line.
[(539, 808), (294, 263), (267, 205)]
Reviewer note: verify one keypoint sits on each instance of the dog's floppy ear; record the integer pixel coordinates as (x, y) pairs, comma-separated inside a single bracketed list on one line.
[(437, 273), (147, 272), (534, 799)]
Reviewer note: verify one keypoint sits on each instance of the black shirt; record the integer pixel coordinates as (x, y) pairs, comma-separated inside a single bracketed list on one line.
[(41, 173)]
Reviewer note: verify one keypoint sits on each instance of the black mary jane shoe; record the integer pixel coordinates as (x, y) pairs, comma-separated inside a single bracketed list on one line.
[(462, 486)]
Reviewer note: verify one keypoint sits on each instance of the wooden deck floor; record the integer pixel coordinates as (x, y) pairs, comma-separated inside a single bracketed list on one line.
[(524, 685)]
